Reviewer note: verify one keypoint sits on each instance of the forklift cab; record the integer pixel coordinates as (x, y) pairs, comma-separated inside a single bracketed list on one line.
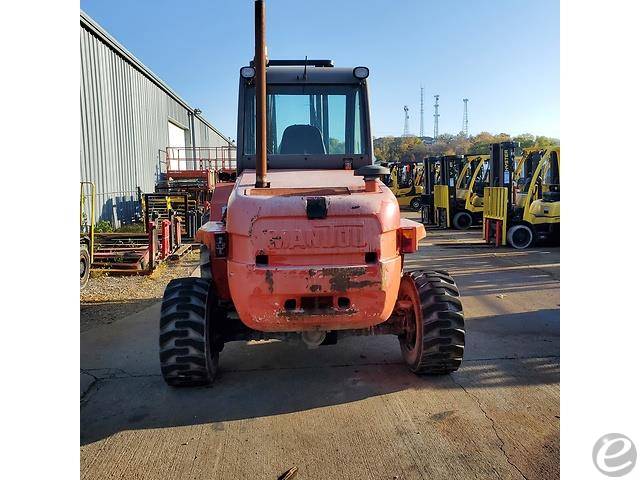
[(551, 178), (530, 159)]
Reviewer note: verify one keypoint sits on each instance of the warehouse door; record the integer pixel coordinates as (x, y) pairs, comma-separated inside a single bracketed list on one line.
[(176, 156)]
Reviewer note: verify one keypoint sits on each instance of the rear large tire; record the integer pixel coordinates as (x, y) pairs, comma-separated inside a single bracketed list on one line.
[(434, 340), (85, 266), (187, 354), (462, 220), (521, 236)]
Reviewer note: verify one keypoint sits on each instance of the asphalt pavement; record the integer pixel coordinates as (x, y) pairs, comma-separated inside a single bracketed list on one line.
[(351, 410)]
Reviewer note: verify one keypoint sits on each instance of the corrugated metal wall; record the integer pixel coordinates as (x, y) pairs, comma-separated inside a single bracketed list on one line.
[(124, 117)]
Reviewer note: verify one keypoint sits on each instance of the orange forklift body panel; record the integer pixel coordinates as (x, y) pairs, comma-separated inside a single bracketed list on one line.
[(289, 272)]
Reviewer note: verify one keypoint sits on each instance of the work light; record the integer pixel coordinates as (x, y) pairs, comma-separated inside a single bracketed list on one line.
[(247, 72), (361, 72)]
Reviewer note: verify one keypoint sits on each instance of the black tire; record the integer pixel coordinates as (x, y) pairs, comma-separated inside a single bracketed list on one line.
[(415, 203), (435, 345), (187, 356), (85, 266), (521, 236), (462, 220)]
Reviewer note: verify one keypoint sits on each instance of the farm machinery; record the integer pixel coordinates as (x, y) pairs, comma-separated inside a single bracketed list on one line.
[(311, 250)]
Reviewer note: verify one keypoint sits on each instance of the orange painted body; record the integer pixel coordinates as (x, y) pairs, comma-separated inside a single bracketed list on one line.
[(287, 272)]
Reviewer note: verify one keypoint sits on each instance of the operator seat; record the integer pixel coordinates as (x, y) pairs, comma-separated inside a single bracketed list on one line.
[(302, 139), (553, 195)]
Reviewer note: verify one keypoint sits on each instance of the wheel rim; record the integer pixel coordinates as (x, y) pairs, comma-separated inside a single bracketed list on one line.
[(464, 221), (408, 340), (521, 237)]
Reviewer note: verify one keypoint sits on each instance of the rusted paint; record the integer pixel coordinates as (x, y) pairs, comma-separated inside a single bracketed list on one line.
[(340, 279), (325, 313), (269, 279)]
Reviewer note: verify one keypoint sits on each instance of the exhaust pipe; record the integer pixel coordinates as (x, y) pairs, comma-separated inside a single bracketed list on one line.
[(260, 62)]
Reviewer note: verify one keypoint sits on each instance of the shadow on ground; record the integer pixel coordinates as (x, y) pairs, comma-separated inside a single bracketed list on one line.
[(275, 378)]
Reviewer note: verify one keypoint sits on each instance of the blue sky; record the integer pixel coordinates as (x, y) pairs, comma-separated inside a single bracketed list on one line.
[(501, 54)]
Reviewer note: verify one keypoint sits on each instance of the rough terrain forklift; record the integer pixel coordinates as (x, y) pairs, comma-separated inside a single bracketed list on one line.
[(313, 249), (405, 180), (87, 225), (525, 211)]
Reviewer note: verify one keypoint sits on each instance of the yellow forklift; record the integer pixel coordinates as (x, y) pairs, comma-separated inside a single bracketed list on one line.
[(520, 212), (451, 198), (87, 225), (469, 204), (405, 180)]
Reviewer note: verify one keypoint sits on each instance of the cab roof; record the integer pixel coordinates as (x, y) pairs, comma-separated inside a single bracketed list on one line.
[(317, 71)]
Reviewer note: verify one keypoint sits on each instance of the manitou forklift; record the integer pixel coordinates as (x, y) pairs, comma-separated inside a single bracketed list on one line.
[(521, 213), (405, 181), (313, 249)]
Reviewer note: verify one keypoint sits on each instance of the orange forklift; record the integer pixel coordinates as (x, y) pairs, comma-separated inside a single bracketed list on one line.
[(312, 249)]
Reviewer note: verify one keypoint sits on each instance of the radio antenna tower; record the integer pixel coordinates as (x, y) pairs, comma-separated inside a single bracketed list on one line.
[(406, 122), (421, 111), (465, 119), (435, 118)]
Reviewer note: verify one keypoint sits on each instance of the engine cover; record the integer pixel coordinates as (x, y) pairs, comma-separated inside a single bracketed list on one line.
[(294, 267)]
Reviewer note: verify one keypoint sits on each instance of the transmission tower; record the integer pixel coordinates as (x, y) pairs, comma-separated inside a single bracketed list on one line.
[(465, 119), (435, 118), (406, 122), (421, 111)]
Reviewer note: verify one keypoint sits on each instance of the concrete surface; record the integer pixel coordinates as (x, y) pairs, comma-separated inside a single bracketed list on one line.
[(346, 411)]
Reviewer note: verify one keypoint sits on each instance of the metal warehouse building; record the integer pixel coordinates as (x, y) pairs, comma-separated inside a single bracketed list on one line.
[(128, 118)]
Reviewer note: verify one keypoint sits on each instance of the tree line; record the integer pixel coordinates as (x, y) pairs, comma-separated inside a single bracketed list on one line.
[(406, 149)]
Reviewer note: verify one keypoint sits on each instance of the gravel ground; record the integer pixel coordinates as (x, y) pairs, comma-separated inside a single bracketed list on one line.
[(110, 298)]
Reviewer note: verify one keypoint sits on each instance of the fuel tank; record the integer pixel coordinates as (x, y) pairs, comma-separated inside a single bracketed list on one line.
[(315, 251)]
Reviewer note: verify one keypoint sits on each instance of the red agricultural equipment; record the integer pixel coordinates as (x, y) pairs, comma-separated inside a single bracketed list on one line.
[(313, 249), (136, 253)]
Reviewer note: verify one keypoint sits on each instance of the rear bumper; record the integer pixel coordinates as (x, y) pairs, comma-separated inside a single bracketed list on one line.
[(264, 296)]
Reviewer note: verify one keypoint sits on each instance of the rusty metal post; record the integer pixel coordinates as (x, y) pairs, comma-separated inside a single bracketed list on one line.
[(260, 60)]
